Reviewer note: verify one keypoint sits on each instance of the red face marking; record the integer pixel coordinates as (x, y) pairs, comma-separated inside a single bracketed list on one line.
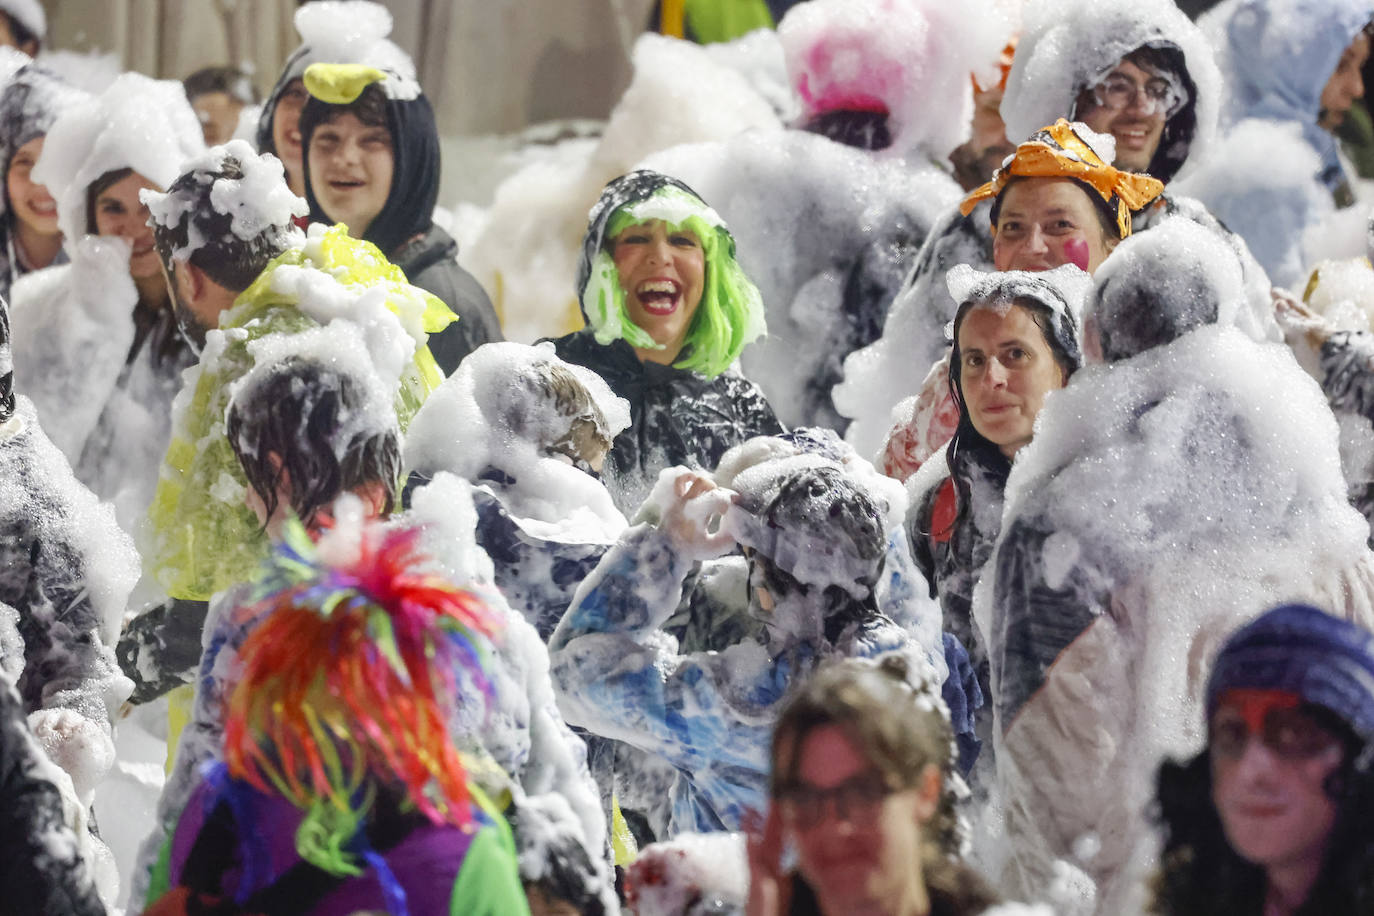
[(1077, 252)]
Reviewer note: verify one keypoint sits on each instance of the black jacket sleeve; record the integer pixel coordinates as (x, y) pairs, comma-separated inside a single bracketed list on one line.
[(41, 872)]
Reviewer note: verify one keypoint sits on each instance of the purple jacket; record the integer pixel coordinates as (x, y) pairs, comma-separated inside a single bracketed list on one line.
[(426, 863)]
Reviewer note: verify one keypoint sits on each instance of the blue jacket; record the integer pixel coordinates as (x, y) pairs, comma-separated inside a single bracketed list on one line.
[(709, 714), (1277, 56)]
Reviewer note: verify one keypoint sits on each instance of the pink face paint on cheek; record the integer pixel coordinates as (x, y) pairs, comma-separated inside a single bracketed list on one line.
[(1076, 250)]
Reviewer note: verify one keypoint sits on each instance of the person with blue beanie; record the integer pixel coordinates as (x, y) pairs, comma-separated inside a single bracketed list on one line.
[(1274, 816)]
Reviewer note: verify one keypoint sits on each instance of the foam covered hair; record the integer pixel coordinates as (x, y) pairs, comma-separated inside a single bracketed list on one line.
[(350, 679)]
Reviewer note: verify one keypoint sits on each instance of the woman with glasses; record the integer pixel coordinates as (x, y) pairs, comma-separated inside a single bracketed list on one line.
[(863, 787), (1274, 816)]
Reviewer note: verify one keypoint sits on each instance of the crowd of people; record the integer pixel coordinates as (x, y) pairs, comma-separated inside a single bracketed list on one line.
[(958, 499)]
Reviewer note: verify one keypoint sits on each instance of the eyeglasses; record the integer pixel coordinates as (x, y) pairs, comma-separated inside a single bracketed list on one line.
[(1276, 718), (1162, 92), (852, 800)]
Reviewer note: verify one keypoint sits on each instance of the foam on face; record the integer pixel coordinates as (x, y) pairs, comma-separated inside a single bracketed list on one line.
[(1065, 44)]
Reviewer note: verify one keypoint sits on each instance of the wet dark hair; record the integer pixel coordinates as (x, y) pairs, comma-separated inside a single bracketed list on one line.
[(22, 34), (230, 80), (232, 262), (860, 129), (967, 442), (1106, 213), (98, 187), (1201, 875), (302, 410), (369, 107), (410, 201), (568, 875)]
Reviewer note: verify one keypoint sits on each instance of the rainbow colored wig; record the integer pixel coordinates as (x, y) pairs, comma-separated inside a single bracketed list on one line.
[(731, 311), (350, 680)]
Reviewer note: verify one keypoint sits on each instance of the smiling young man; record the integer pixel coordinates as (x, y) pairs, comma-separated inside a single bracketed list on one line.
[(371, 159)]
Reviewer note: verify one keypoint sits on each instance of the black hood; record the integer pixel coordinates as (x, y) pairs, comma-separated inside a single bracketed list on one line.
[(630, 188), (409, 208)]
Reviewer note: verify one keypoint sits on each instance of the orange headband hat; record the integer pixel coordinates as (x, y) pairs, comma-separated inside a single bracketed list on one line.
[(1060, 151)]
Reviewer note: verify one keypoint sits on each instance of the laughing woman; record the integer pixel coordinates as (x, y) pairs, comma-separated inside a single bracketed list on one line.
[(668, 312)]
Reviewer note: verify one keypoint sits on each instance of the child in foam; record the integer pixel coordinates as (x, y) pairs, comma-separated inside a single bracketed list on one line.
[(1272, 816), (382, 812), (529, 433), (371, 162), (95, 340), (668, 311)]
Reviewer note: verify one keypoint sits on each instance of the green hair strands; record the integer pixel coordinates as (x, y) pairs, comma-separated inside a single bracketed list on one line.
[(730, 314)]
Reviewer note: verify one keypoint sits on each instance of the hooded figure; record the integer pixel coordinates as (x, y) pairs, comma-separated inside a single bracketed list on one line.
[(693, 408), (1066, 49), (830, 213), (816, 540), (332, 31), (30, 102), (96, 341), (1278, 171), (403, 228), (528, 432), (1277, 56), (1166, 496)]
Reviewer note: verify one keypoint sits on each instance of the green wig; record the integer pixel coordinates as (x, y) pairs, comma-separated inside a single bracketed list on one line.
[(731, 311)]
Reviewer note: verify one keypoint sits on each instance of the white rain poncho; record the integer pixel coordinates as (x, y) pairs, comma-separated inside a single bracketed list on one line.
[(1167, 497), (101, 367)]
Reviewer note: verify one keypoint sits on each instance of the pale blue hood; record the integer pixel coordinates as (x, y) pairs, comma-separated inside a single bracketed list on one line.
[(1277, 55)]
